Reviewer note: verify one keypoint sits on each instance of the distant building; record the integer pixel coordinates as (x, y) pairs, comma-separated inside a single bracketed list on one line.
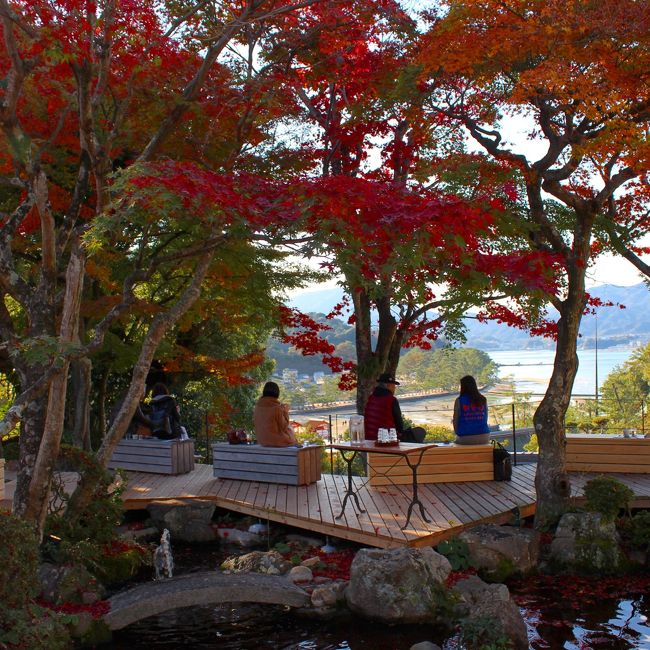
[(289, 375), (319, 427), (319, 377)]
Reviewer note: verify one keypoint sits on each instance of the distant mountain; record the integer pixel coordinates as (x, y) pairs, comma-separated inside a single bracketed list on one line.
[(616, 326)]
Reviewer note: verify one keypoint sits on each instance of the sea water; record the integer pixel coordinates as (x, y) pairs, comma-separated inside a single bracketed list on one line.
[(531, 369)]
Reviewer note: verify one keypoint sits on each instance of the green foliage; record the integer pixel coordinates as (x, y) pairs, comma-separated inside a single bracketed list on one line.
[(443, 368), (456, 551), (118, 567), (19, 559), (532, 444), (34, 628), (438, 433), (83, 535), (626, 390), (639, 531), (608, 496), (483, 633), (524, 410), (24, 625)]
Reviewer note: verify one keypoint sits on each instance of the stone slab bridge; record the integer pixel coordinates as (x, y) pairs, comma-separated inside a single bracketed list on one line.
[(204, 588)]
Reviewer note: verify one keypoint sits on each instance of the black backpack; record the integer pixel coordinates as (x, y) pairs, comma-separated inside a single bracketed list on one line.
[(162, 420), (502, 462)]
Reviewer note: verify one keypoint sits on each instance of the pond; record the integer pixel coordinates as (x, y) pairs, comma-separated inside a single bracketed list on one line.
[(575, 613)]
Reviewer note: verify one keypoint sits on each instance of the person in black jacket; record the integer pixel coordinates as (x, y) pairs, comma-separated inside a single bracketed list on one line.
[(165, 418)]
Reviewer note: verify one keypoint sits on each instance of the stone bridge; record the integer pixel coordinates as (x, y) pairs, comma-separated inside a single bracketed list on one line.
[(209, 587)]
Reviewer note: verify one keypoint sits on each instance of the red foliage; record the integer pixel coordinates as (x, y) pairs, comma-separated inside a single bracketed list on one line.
[(97, 610)]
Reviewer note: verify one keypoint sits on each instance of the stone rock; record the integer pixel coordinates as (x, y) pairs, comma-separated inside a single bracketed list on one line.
[(139, 535), (501, 551), (328, 596), (491, 603), (397, 585), (271, 563), (425, 645), (311, 562), (68, 584), (585, 543), (304, 540), (241, 538), (301, 574), (187, 521)]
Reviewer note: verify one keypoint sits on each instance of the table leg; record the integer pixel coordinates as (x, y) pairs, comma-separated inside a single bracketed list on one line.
[(350, 491), (415, 500)]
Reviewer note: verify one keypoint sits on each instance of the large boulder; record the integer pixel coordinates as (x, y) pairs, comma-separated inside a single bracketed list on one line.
[(397, 585), (488, 614), (68, 584), (187, 521), (501, 551), (585, 543)]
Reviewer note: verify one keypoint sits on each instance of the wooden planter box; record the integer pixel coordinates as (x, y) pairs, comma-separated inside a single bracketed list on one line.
[(607, 453), (154, 456), (443, 464), (285, 465)]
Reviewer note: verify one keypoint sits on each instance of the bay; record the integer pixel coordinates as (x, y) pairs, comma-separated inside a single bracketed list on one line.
[(531, 369)]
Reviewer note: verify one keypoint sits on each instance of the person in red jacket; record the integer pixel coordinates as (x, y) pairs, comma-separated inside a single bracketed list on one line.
[(382, 409), (383, 412)]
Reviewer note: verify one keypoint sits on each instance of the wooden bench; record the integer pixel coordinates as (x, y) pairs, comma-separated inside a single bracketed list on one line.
[(443, 464), (286, 465), (154, 456), (607, 453)]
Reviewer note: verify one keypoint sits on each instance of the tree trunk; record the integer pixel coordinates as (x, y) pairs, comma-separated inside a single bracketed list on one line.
[(366, 361), (102, 385), (39, 488), (81, 372), (32, 423), (551, 480)]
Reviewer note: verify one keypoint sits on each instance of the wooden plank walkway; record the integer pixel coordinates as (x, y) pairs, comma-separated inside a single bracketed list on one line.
[(451, 507)]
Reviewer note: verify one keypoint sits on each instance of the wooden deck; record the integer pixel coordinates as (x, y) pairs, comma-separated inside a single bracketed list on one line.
[(451, 507)]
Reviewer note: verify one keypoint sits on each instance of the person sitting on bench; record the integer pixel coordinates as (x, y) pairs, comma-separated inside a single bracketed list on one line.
[(271, 419), (165, 417), (470, 415), (383, 412)]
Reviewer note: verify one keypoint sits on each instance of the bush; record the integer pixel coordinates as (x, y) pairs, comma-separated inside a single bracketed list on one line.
[(608, 496), (24, 625), (438, 433), (483, 633), (456, 551), (533, 444), (34, 628), (640, 531), (19, 559)]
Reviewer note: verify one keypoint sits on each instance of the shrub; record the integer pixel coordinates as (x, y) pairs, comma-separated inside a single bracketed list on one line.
[(608, 496), (23, 624), (533, 444), (437, 432), (19, 559), (640, 531), (483, 633), (456, 551), (34, 628)]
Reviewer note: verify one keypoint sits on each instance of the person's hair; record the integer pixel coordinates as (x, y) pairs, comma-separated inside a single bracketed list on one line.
[(468, 387), (271, 389), (159, 389)]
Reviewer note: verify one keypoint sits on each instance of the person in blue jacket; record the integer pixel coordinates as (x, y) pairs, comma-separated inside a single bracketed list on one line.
[(470, 414)]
